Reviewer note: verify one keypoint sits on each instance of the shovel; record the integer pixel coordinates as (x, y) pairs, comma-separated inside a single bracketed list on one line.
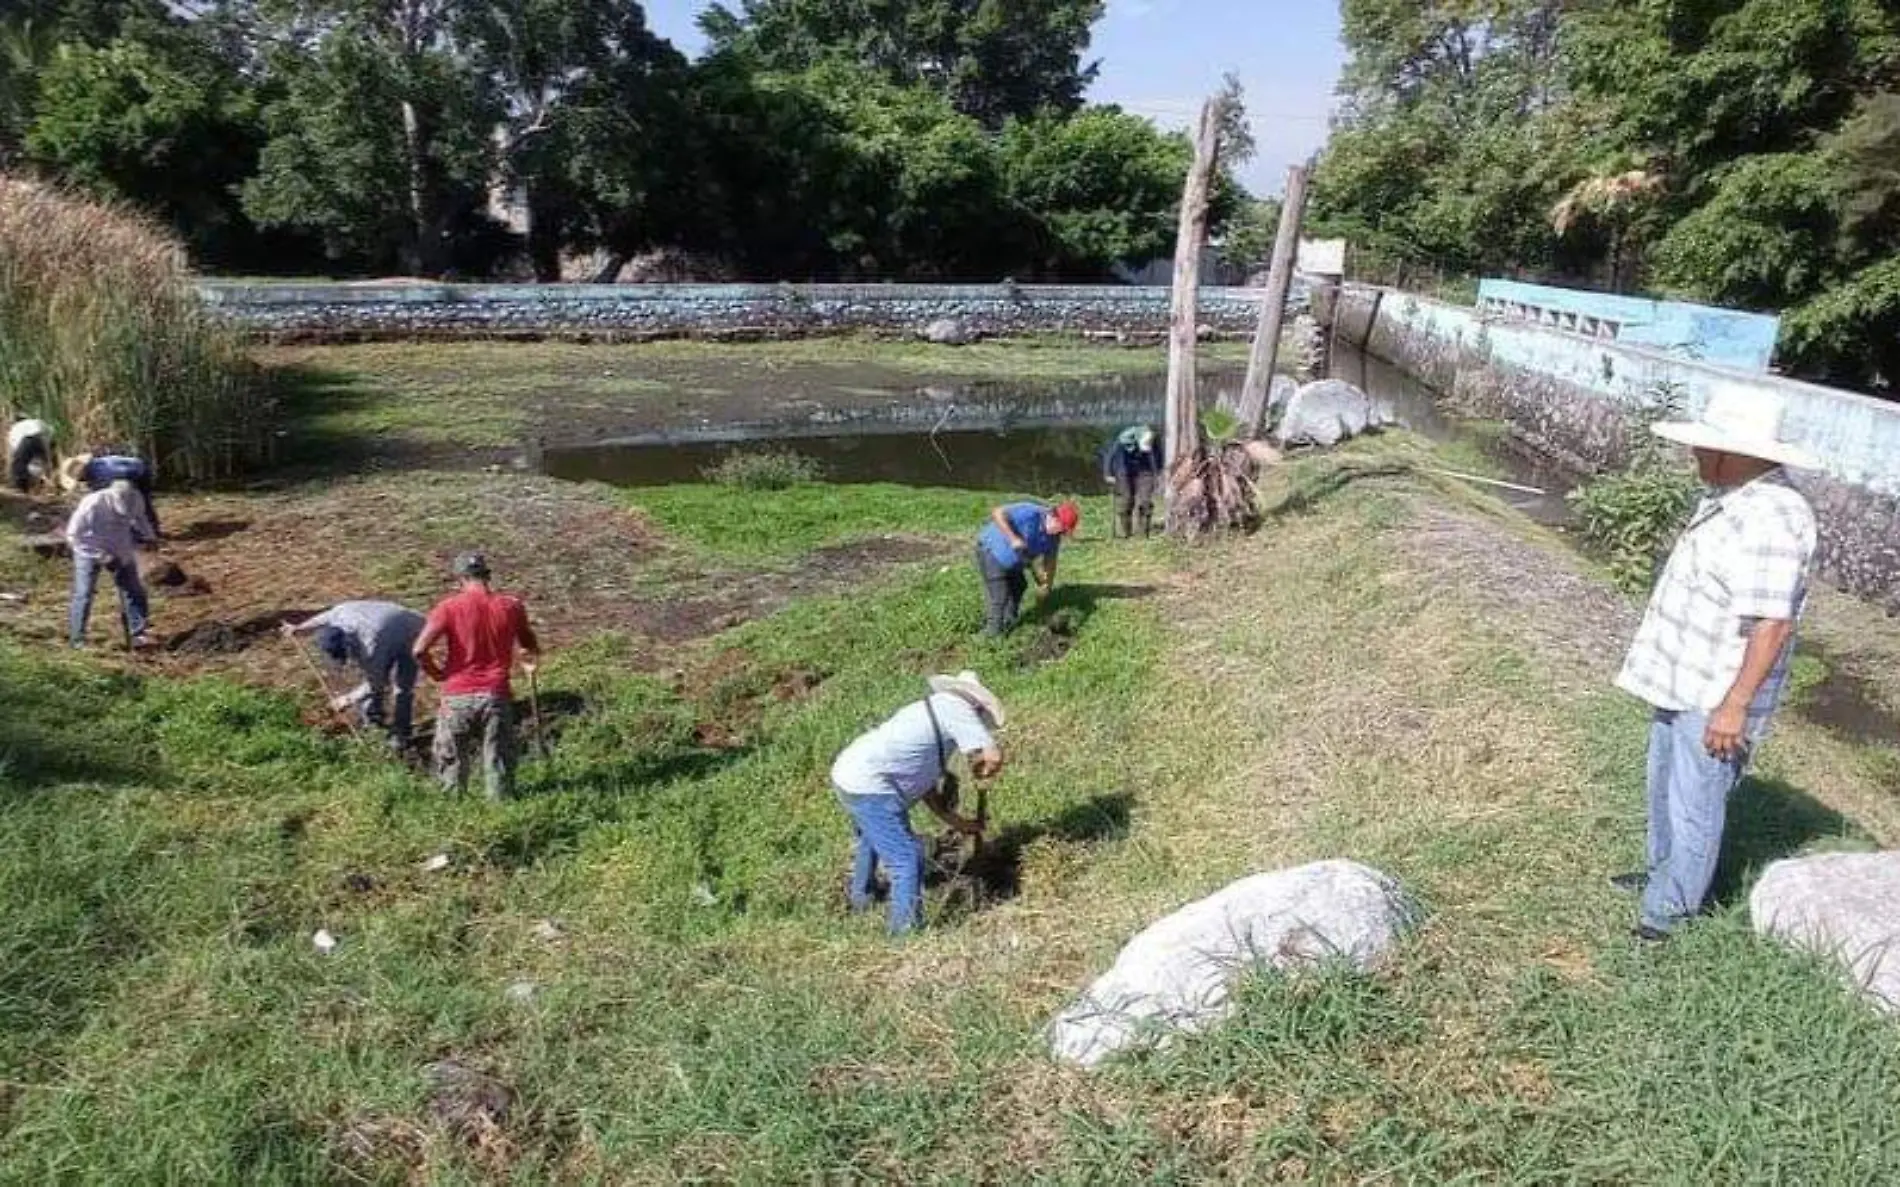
[(324, 685), (534, 705)]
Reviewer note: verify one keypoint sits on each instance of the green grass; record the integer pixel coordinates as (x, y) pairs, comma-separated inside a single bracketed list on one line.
[(709, 1012)]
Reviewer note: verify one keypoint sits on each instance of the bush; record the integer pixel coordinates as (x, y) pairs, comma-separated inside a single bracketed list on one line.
[(1634, 514), (103, 337), (769, 470)]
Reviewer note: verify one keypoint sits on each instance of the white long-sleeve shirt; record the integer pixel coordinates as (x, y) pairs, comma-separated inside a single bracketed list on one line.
[(108, 525)]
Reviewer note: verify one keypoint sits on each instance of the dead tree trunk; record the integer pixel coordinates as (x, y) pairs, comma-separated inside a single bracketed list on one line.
[(1183, 437), (1266, 339)]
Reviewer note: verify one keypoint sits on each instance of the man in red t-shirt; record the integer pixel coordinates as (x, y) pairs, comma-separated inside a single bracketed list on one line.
[(482, 628)]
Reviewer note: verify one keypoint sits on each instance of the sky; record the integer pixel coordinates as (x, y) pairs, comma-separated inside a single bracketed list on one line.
[(1161, 58)]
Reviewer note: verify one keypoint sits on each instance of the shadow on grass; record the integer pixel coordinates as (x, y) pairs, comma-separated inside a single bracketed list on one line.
[(997, 869), (1767, 821), (1308, 495), (311, 448)]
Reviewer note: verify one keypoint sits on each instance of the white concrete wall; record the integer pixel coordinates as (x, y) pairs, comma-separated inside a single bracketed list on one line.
[(1857, 436)]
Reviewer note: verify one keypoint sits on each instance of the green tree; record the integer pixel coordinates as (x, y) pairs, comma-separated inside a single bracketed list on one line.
[(1104, 186), (165, 125), (381, 139), (992, 58)]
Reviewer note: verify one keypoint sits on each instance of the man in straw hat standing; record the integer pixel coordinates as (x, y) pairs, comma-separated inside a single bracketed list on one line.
[(1711, 655), (880, 775)]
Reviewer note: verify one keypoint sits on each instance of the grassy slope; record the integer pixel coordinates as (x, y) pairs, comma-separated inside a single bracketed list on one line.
[(167, 850)]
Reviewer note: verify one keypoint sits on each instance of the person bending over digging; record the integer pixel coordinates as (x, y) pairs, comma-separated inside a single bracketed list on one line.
[(881, 774), (1131, 463), (104, 533), (380, 639), (1017, 536), (96, 471), (29, 454), (482, 629), (1711, 654)]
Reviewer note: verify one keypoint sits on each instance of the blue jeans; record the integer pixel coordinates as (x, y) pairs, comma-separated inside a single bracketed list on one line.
[(86, 581), (1688, 806), (882, 824), (399, 669)]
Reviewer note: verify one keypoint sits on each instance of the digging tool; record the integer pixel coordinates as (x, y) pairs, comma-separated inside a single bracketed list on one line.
[(534, 705), (324, 685)]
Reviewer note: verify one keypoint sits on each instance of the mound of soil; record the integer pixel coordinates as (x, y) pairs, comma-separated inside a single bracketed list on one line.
[(218, 637)]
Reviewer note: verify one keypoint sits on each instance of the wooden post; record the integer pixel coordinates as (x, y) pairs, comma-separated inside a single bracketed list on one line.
[(1266, 339), (1183, 436)]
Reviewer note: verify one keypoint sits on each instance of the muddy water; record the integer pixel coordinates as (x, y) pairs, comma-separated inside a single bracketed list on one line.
[(1004, 437)]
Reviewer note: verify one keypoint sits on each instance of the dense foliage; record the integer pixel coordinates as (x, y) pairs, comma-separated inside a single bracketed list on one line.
[(1740, 152), (835, 139)]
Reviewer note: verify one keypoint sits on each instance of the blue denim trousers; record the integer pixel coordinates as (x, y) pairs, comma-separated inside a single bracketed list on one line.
[(882, 824), (1688, 807), (86, 571), (381, 672)]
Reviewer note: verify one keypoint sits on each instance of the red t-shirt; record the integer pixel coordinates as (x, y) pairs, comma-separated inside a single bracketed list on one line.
[(482, 629)]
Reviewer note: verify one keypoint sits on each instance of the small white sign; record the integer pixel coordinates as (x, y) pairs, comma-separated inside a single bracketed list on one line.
[(1322, 257)]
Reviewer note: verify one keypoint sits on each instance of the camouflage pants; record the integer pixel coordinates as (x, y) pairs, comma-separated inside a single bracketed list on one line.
[(483, 719)]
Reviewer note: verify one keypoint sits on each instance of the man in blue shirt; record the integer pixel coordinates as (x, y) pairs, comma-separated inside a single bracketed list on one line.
[(1131, 463), (1017, 535)]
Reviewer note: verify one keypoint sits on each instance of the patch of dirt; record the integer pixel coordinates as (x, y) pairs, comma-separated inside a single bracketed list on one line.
[(733, 694), (238, 565), (1050, 640), (1543, 594)]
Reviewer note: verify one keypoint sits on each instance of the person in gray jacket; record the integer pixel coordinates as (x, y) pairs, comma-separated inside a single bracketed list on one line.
[(379, 639)]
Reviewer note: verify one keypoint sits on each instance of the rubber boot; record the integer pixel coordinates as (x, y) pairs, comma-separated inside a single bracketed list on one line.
[(1125, 527)]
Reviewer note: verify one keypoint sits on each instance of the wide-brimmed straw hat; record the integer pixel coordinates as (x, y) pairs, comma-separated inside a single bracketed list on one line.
[(970, 687), (1747, 423), (72, 471)]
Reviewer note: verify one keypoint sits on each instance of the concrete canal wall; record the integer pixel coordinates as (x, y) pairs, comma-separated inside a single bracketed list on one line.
[(369, 312), (1572, 396)]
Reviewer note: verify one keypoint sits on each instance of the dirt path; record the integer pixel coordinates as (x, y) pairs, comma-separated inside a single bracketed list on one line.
[(587, 565)]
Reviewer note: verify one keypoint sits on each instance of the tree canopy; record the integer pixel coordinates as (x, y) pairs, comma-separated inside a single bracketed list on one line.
[(817, 139), (1738, 152)]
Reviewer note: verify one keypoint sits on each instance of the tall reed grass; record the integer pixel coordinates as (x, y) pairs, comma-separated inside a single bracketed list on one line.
[(103, 337)]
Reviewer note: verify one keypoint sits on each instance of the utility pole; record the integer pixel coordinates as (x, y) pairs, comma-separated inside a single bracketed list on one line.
[(1266, 339), (1183, 436)]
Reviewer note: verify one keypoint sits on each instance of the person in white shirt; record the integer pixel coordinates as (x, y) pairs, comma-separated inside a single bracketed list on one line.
[(903, 761), (104, 533), (29, 453), (1711, 656)]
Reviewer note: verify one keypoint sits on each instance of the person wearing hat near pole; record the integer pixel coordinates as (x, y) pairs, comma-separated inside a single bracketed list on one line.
[(902, 762), (1711, 655), (1020, 540), (1131, 463), (379, 638), (482, 629)]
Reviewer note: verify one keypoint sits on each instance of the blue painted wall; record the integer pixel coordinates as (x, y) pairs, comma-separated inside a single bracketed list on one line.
[(1722, 337)]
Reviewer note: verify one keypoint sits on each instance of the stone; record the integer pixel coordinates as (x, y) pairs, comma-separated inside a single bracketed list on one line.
[(1328, 412), (1843, 906), (1279, 392), (1178, 976), (947, 331)]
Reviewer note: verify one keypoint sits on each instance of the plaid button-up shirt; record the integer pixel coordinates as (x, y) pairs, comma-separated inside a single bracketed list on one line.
[(1744, 556)]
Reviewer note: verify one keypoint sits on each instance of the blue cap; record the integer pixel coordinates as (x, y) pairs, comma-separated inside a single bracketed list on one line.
[(334, 643)]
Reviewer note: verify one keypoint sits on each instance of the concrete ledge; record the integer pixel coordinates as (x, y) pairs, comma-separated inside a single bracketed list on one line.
[(1570, 396), (358, 312)]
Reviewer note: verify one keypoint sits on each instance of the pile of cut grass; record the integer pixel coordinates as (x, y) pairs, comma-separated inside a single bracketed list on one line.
[(102, 336)]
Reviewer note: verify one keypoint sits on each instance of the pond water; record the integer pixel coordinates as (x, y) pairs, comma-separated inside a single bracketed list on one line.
[(1040, 438)]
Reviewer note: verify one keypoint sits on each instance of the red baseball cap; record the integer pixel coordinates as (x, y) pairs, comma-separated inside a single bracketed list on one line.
[(1070, 517)]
